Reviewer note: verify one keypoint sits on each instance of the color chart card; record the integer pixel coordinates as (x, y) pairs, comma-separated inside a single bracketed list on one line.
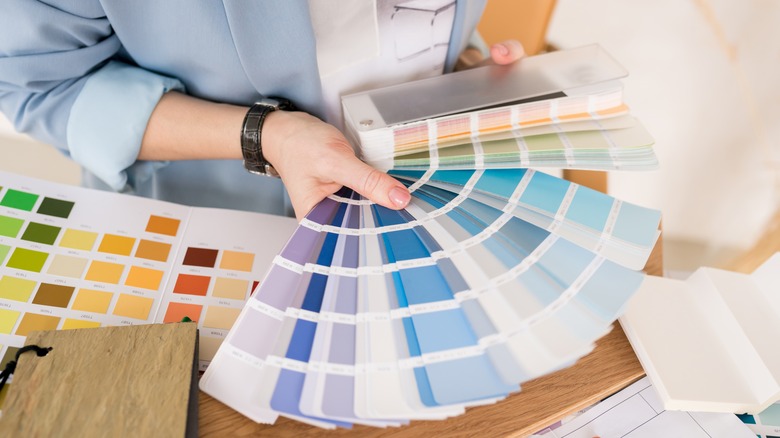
[(77, 258), (218, 267)]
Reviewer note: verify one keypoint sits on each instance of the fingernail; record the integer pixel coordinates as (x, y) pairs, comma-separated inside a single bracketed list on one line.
[(400, 197), (502, 49)]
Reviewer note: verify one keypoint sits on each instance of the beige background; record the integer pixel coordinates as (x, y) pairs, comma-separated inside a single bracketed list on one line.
[(704, 80)]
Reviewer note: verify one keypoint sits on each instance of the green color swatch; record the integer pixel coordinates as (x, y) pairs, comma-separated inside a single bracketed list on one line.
[(3, 252), (27, 260), (19, 200), (10, 226), (41, 233), (55, 207)]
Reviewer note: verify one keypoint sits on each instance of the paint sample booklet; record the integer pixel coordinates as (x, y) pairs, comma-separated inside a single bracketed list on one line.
[(488, 279), (709, 343), (562, 109), (74, 258)]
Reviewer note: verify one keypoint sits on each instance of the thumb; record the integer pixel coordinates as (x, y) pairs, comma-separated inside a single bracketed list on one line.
[(506, 52), (373, 184)]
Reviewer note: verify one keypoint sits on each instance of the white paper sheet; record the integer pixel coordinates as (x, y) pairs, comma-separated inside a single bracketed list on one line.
[(637, 412)]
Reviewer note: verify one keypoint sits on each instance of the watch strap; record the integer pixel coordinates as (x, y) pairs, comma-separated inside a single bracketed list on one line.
[(252, 132)]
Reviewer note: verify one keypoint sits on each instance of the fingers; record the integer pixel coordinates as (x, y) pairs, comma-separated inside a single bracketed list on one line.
[(503, 53), (506, 52), (315, 160), (373, 184)]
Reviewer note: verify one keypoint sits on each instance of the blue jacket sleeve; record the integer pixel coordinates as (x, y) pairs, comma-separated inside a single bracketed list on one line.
[(467, 15), (58, 83)]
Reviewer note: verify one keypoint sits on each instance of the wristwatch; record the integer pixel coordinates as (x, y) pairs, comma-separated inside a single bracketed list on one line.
[(252, 131)]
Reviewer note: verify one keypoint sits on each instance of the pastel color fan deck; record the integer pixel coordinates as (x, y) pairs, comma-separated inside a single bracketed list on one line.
[(563, 109), (377, 317)]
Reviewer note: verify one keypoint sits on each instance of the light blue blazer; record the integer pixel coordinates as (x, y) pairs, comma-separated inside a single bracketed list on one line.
[(85, 75)]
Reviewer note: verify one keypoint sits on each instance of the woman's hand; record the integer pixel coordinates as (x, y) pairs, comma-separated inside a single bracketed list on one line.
[(315, 160)]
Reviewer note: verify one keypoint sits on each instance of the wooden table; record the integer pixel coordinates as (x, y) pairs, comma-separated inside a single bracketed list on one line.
[(541, 402)]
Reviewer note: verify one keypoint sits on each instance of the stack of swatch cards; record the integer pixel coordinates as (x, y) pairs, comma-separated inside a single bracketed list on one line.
[(562, 109), (492, 276)]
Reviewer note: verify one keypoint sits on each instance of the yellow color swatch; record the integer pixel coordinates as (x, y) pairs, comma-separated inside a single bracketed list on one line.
[(88, 300), (232, 288), (119, 245), (32, 322), (220, 317), (78, 324), (237, 260), (132, 306), (144, 278), (78, 239), (67, 266), (8, 320), (17, 289), (105, 272)]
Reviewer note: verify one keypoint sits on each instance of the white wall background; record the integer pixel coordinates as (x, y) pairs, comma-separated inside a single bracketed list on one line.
[(705, 80)]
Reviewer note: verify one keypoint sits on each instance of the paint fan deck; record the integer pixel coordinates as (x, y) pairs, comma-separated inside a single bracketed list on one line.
[(77, 258), (378, 317), (562, 109)]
